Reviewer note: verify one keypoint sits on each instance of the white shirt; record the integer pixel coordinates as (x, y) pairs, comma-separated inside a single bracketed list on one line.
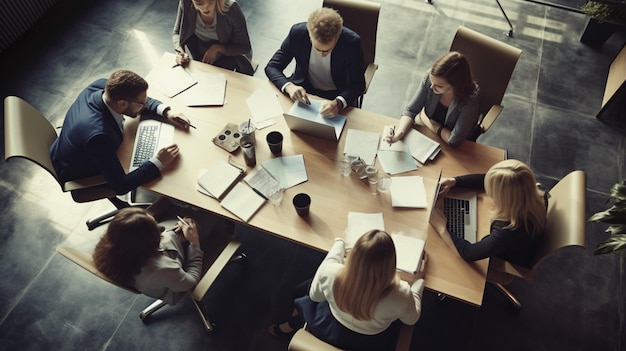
[(206, 32), (404, 303), (319, 71)]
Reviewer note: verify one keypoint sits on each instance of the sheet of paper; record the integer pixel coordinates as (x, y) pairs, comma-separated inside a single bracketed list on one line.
[(397, 146), (289, 170), (242, 201), (361, 223), (409, 252), (395, 162), (265, 107), (421, 146), (210, 90), (220, 176), (311, 112), (262, 181), (172, 81), (362, 143), (408, 192)]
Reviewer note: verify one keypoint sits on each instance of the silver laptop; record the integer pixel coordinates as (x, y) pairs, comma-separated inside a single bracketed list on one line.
[(306, 119), (151, 137), (459, 207)]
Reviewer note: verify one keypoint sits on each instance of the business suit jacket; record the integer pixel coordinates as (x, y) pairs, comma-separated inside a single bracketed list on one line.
[(346, 64), (231, 28), (173, 272), (88, 143)]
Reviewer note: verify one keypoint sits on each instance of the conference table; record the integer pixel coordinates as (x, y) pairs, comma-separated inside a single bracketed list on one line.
[(332, 194)]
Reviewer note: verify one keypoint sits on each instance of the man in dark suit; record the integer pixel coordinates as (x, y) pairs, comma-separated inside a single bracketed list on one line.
[(329, 62), (93, 131)]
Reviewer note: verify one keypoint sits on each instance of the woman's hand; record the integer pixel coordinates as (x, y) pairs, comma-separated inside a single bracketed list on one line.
[(190, 230), (445, 185), (213, 53), (182, 58), (394, 134)]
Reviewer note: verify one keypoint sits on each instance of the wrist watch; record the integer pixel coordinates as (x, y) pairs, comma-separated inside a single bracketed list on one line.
[(339, 103)]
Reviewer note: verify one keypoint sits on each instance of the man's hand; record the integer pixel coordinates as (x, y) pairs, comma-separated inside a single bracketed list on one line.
[(329, 109), (167, 154), (297, 93), (178, 119)]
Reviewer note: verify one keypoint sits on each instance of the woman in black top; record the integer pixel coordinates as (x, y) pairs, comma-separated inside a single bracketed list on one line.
[(518, 217)]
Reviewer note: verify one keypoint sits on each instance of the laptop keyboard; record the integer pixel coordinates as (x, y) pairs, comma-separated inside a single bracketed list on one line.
[(456, 212), (145, 143)]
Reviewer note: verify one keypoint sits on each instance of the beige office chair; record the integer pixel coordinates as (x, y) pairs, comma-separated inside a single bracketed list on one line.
[(565, 227), (221, 251), (492, 63), (303, 340), (28, 134), (362, 17)]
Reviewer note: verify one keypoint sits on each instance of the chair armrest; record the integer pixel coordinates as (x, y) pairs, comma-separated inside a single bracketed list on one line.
[(214, 270), (369, 74), (510, 268), (305, 341), (491, 116), (83, 183)]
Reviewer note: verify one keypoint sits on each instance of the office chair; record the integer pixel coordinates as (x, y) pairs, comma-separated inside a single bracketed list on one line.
[(565, 227), (303, 340), (218, 253), (362, 17), (28, 134), (492, 63)]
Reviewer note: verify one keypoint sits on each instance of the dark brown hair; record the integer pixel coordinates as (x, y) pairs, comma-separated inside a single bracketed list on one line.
[(454, 68), (125, 85)]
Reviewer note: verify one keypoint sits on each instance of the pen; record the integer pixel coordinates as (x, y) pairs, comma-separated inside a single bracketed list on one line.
[(182, 220), (185, 122), (189, 124), (392, 132)]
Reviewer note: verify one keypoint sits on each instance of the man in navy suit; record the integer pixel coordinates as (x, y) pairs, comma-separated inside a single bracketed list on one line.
[(329, 62), (93, 131)]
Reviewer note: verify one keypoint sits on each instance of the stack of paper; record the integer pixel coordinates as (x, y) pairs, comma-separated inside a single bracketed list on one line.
[(210, 90), (288, 170), (394, 158), (361, 223), (242, 201), (408, 192), (422, 147), (218, 178), (409, 252), (174, 80)]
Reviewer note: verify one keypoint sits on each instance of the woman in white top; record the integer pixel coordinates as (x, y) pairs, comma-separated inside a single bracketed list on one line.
[(353, 304)]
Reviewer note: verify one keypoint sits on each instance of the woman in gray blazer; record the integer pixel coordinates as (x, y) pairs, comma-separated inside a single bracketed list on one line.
[(214, 32)]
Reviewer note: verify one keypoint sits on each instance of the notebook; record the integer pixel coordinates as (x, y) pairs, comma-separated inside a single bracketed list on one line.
[(242, 201), (219, 177), (459, 207), (307, 119), (151, 137)]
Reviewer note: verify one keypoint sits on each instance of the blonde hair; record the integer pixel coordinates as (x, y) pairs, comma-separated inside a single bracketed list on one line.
[(324, 25), (368, 275), (512, 186)]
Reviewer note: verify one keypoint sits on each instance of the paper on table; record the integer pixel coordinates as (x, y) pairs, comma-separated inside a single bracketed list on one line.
[(409, 252), (361, 223), (262, 181), (242, 201), (394, 162), (172, 81), (421, 146), (362, 143), (408, 192), (289, 170), (210, 90), (312, 113), (264, 106), (219, 177)]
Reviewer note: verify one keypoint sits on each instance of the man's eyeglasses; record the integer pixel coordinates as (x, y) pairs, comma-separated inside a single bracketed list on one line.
[(138, 102)]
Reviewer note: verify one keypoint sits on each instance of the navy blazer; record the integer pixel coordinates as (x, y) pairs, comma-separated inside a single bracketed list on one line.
[(88, 143), (346, 66)]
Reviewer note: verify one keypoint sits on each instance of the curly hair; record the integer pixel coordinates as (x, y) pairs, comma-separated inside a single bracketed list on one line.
[(454, 68), (125, 85), (324, 25), (368, 276), (131, 239)]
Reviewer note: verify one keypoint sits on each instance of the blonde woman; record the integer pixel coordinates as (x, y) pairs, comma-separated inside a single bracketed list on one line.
[(518, 215), (354, 304), (213, 32)]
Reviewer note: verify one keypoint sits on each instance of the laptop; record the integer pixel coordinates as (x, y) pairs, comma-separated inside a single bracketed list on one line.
[(459, 207), (151, 137), (306, 119)]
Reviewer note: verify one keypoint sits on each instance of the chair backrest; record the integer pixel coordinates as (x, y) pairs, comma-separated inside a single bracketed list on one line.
[(362, 17), (492, 63), (27, 134)]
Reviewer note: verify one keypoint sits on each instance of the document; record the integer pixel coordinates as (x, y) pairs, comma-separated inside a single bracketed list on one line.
[(218, 178), (262, 181), (422, 148), (265, 107), (409, 252), (289, 170), (242, 201), (209, 91), (173, 81), (361, 223), (394, 158), (408, 192), (362, 143)]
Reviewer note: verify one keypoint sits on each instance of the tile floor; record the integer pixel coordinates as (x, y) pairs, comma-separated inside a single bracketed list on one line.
[(576, 301)]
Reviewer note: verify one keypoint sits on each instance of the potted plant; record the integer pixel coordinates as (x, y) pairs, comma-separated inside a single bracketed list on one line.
[(605, 16), (615, 216)]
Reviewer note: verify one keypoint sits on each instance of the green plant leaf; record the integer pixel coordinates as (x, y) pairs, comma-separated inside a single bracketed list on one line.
[(617, 229), (615, 243)]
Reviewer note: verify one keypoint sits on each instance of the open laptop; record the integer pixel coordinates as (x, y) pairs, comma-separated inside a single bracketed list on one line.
[(459, 207), (306, 119), (151, 137)]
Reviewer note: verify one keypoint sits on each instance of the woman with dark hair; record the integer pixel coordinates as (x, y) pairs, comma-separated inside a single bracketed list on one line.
[(449, 99), (355, 305), (135, 253)]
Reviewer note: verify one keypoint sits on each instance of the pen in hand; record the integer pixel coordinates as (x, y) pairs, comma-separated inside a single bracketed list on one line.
[(392, 132), (182, 220), (185, 122)]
